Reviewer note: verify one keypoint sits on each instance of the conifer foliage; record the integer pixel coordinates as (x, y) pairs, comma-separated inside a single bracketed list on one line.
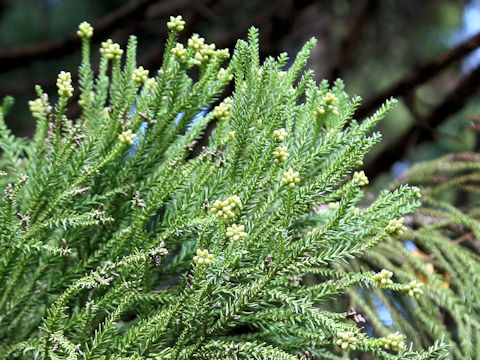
[(122, 238)]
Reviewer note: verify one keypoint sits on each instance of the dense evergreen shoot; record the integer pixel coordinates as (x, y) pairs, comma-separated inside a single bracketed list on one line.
[(122, 239)]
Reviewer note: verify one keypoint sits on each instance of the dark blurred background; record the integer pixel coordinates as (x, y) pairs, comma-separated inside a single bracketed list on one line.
[(425, 53)]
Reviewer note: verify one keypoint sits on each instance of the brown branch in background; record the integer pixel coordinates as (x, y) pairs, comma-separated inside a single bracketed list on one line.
[(411, 103), (453, 102), (359, 19), (62, 46), (475, 126), (420, 75)]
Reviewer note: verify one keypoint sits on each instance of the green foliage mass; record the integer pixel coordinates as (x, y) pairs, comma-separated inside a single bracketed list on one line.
[(123, 243)]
